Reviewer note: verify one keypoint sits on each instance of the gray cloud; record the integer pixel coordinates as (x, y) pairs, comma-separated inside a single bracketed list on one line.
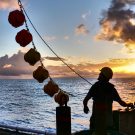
[(54, 58), (81, 30), (14, 65)]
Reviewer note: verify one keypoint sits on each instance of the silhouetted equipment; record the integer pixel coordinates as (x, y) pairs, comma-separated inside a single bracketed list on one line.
[(40, 74), (116, 119), (51, 88), (127, 122), (23, 37), (16, 18), (61, 98), (63, 120), (32, 57), (124, 121), (89, 132)]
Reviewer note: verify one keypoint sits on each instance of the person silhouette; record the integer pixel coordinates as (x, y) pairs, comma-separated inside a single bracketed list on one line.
[(103, 94)]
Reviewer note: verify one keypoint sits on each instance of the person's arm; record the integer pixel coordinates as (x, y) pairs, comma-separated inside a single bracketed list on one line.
[(123, 103), (86, 99), (120, 101)]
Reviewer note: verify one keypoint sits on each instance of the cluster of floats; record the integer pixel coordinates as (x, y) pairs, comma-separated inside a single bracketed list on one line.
[(23, 38), (63, 112)]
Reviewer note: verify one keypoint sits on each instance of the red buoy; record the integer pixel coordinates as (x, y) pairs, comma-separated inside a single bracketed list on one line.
[(23, 37), (16, 18)]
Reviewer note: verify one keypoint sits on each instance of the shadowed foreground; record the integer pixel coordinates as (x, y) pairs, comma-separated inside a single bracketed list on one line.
[(8, 132), (15, 132), (88, 132), (84, 132)]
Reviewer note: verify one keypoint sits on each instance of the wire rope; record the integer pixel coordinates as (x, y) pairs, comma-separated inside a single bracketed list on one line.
[(20, 3)]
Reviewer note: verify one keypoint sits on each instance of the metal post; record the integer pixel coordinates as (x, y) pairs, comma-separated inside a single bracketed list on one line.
[(63, 120)]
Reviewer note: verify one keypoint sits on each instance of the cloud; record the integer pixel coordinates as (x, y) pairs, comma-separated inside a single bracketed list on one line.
[(117, 23), (81, 42), (81, 30), (89, 69), (14, 65), (54, 58), (24, 49), (7, 66), (50, 38), (85, 15), (66, 37), (8, 4)]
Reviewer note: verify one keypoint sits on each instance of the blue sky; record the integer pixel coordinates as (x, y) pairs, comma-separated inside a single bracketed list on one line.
[(56, 20), (70, 27)]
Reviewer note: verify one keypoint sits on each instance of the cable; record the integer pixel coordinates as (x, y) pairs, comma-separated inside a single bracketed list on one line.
[(19, 1)]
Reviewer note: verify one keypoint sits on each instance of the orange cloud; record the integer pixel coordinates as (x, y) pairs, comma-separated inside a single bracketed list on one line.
[(15, 66), (119, 66), (8, 4), (118, 24), (7, 66)]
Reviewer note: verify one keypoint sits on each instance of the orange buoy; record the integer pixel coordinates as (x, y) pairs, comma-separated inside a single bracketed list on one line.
[(40, 74), (51, 88), (23, 37), (32, 57), (16, 18), (61, 98)]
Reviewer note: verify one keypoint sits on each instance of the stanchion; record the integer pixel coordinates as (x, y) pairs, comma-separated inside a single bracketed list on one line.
[(63, 120)]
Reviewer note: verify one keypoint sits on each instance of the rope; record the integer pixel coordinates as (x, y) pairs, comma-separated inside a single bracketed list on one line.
[(19, 1), (26, 25)]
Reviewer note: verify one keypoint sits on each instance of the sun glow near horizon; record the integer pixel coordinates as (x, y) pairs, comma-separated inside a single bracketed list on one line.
[(125, 69)]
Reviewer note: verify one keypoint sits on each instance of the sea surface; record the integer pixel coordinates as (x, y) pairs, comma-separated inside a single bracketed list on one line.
[(23, 103)]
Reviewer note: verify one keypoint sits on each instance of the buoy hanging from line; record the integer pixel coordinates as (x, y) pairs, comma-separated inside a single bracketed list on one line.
[(51, 88), (40, 74), (32, 56), (16, 18), (24, 37)]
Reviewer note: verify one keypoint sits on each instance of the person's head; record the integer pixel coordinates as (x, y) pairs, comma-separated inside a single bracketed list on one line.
[(105, 74)]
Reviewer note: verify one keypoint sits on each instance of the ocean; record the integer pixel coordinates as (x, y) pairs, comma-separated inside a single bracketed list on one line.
[(23, 103)]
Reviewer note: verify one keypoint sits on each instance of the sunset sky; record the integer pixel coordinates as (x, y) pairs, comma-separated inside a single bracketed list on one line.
[(87, 34)]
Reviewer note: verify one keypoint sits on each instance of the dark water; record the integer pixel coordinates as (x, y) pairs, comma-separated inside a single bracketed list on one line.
[(23, 102)]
